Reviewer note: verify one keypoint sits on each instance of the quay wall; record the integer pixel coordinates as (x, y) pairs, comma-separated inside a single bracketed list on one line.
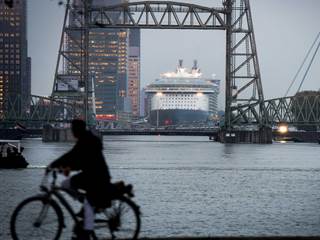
[(261, 136), (62, 135), (57, 135), (298, 136)]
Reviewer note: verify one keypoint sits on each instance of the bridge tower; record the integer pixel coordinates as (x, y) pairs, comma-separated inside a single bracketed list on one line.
[(72, 81), (244, 100)]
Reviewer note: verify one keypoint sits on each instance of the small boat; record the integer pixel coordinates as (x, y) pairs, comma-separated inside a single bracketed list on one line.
[(11, 154)]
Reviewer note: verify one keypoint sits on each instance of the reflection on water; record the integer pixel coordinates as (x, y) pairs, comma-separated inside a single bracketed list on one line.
[(189, 186)]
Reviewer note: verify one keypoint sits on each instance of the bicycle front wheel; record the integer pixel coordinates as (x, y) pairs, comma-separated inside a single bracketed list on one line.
[(36, 218), (121, 220)]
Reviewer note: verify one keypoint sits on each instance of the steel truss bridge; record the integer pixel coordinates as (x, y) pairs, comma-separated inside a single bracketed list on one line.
[(244, 99), (295, 111), (36, 111)]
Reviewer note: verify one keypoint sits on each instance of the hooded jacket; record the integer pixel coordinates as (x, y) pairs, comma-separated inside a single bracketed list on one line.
[(86, 156)]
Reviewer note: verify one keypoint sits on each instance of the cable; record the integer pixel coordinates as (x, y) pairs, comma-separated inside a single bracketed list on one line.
[(302, 64), (307, 71)]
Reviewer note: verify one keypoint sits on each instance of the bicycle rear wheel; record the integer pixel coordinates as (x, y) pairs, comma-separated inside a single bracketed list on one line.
[(36, 218), (121, 220)]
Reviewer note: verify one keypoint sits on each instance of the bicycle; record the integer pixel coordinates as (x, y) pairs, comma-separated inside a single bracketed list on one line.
[(41, 216)]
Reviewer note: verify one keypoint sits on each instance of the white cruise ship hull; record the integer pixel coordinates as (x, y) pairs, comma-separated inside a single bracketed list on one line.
[(177, 117)]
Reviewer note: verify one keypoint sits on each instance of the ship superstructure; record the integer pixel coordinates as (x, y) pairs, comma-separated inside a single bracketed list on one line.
[(183, 96)]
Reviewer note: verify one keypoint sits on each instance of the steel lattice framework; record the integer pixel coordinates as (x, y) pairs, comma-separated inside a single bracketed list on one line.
[(71, 80), (296, 110), (158, 15), (38, 110), (244, 94)]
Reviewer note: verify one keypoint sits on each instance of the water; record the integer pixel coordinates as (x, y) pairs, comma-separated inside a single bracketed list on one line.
[(189, 186)]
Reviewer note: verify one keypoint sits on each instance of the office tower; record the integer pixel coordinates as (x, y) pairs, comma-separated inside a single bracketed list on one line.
[(106, 50), (108, 64), (108, 55), (15, 67), (134, 71)]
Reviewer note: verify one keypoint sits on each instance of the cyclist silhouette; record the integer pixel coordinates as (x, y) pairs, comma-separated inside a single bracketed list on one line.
[(86, 156)]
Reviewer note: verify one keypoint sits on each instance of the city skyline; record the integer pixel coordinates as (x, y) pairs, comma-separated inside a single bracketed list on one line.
[(282, 42)]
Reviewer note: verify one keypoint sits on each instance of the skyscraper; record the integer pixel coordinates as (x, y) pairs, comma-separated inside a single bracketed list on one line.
[(111, 53), (108, 50), (134, 71), (108, 64), (15, 67), (102, 56)]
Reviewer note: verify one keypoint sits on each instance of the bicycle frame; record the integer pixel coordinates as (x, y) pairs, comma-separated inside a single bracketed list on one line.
[(54, 192), (53, 196)]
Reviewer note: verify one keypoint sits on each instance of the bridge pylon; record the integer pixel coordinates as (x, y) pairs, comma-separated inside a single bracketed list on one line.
[(244, 102), (73, 83)]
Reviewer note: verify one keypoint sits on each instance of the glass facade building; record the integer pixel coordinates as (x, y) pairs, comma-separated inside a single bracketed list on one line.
[(115, 71), (134, 72), (108, 64), (15, 66)]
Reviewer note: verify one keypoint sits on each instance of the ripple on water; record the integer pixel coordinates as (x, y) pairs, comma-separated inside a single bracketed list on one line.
[(194, 187)]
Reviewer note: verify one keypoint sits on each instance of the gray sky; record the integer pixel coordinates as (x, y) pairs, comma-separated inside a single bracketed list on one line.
[(284, 30)]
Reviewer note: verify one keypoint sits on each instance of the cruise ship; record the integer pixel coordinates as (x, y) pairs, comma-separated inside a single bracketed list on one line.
[(182, 97)]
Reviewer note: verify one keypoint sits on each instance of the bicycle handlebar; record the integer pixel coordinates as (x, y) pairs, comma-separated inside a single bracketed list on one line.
[(44, 181)]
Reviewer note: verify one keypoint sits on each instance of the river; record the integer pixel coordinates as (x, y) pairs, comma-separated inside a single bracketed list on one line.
[(190, 186)]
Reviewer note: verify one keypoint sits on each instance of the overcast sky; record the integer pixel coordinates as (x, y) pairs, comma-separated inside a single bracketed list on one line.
[(284, 30)]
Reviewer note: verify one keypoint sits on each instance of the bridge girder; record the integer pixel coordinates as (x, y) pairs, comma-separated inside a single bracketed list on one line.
[(158, 15)]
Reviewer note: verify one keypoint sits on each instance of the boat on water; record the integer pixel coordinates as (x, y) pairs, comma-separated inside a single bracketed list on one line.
[(182, 97), (11, 154)]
